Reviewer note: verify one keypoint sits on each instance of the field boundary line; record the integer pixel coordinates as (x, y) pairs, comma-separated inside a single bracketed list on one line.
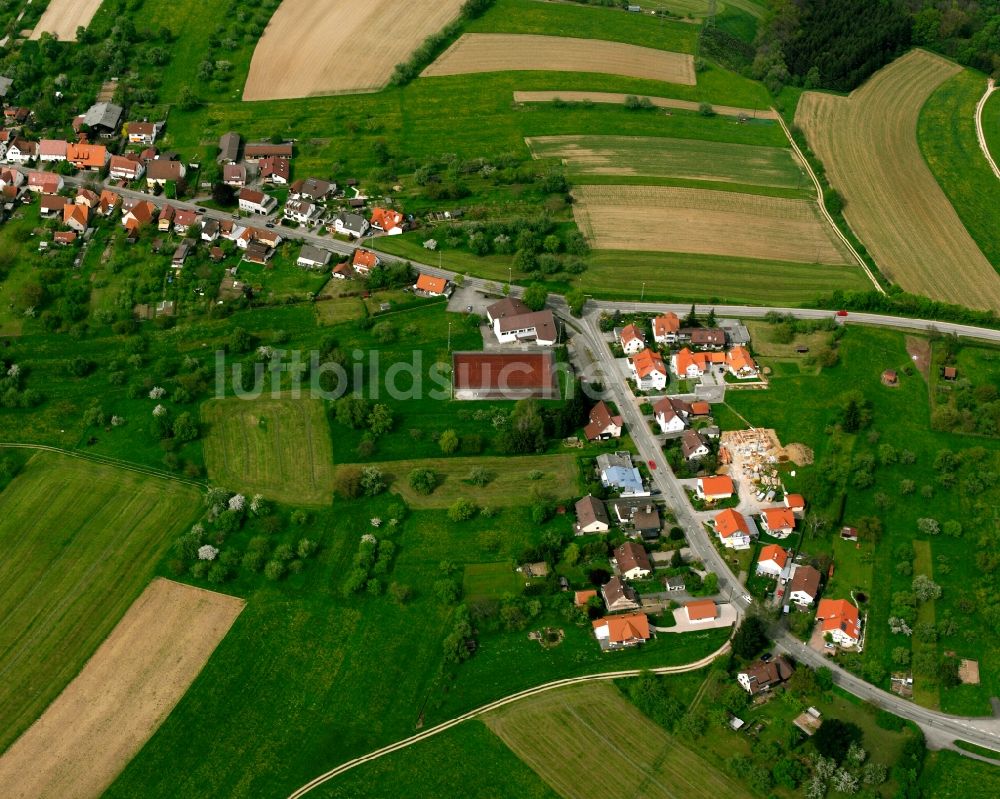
[(525, 694), (991, 86), (822, 205), (105, 460)]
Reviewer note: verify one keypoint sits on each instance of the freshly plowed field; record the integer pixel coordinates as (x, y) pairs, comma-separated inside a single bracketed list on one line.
[(61, 18), (660, 218), (339, 46), (503, 52), (278, 447), (562, 734), (675, 158), (619, 99), (868, 144), (126, 690)]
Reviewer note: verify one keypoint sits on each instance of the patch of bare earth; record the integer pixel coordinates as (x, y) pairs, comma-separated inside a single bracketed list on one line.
[(919, 350), (124, 692), (799, 454), (658, 102), (61, 18)]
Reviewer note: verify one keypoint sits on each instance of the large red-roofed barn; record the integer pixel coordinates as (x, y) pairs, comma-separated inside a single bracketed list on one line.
[(504, 375)]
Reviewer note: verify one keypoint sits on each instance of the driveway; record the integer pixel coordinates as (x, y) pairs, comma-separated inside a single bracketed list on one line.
[(464, 296), (726, 618)]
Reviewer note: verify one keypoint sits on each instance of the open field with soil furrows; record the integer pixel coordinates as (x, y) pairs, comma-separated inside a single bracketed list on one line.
[(676, 158), (126, 690), (502, 52), (660, 218), (868, 144), (618, 98), (61, 18), (338, 46), (563, 733), (280, 448)]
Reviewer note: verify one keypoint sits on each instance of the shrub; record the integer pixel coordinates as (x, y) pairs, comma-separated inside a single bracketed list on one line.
[(423, 481)]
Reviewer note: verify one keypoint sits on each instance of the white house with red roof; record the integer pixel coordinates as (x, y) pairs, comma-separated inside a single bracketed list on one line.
[(255, 202), (732, 529), (648, 370), (431, 286), (388, 220), (839, 619), (778, 522), (665, 328), (618, 632), (632, 339), (45, 182), (670, 415), (714, 488), (772, 561), (796, 503)]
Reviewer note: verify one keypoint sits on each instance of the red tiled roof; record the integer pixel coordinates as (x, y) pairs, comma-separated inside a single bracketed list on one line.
[(431, 284), (646, 362), (626, 627), (775, 553), (516, 370), (729, 522), (779, 518), (839, 614), (701, 609), (386, 218), (667, 323), (716, 485)]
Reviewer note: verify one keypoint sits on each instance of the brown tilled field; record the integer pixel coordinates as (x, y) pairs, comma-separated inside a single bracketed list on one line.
[(126, 690), (868, 144), (659, 102), (666, 219), (339, 46), (503, 52), (61, 18)]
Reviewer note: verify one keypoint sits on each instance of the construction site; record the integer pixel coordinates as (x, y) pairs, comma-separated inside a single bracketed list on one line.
[(755, 454)]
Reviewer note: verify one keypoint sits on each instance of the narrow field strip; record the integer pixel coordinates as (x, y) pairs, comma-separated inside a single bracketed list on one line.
[(619, 99), (61, 18)]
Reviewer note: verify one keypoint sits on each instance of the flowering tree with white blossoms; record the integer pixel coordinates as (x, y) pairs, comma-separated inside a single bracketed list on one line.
[(14, 370), (156, 392), (258, 505), (237, 502), (368, 538), (159, 410), (207, 552)]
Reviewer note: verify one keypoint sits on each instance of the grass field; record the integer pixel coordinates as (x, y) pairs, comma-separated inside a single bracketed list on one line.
[(278, 447), (111, 708), (501, 52), (80, 542), (947, 134), (563, 733), (511, 482), (868, 143), (618, 98), (491, 580), (949, 775), (310, 49), (666, 157), (668, 219)]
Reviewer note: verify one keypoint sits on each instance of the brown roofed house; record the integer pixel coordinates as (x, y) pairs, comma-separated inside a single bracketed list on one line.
[(618, 595), (632, 561), (591, 516), (804, 587), (602, 425), (759, 676)]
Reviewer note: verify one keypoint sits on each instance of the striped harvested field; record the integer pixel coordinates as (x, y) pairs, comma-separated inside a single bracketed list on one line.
[(504, 52), (675, 158), (868, 143), (280, 448), (617, 98), (666, 219), (588, 741)]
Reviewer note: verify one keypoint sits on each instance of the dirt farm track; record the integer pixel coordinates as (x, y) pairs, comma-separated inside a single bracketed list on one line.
[(339, 46), (61, 18), (126, 690)]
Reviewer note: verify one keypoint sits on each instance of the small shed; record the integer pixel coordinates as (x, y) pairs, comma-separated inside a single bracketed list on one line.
[(949, 373), (890, 378)]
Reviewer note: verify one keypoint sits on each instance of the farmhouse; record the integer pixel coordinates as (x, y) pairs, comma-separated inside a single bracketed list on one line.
[(44, 182), (648, 371), (631, 338), (701, 611), (591, 516), (275, 169), (760, 676), (804, 587), (234, 175), (669, 414), (255, 202), (52, 150), (21, 151), (87, 156), (693, 446), (312, 257), (714, 488), (602, 425), (430, 286), (504, 375), (732, 529), (255, 152), (301, 211), (312, 189), (103, 119), (839, 619), (666, 328), (388, 221), (229, 148), (512, 321), (771, 561), (778, 522), (160, 171), (124, 168), (618, 472), (617, 632), (632, 561), (144, 133), (353, 225), (619, 596)]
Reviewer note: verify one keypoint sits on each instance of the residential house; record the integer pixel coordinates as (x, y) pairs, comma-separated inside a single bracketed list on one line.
[(312, 189), (631, 338), (50, 150), (701, 611), (268, 236), (102, 119), (618, 632), (732, 529), (257, 252), (166, 220), (160, 171), (216, 254), (108, 202), (839, 619), (138, 216), (430, 286), (619, 596), (675, 583), (92, 157), (209, 229), (714, 488), (353, 225), (275, 169), (591, 516), (301, 211), (693, 446), (181, 253), (343, 271), (142, 132), (388, 221), (364, 261), (234, 175), (11, 178), (17, 115), (513, 321), (741, 365), (796, 503), (646, 521), (45, 182), (21, 151), (648, 371), (6, 136), (759, 676), (701, 408), (687, 364), (184, 219), (255, 152), (771, 561), (804, 587), (778, 522), (602, 424), (618, 472), (707, 338), (51, 204), (64, 237), (665, 328), (87, 197), (229, 148), (76, 217), (122, 167), (311, 257), (670, 414), (255, 202), (632, 561)]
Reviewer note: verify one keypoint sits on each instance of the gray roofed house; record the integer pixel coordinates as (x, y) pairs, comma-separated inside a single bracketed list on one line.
[(675, 583), (646, 521), (618, 472), (591, 516), (311, 188), (355, 224), (105, 118), (736, 332), (313, 257), (229, 148)]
